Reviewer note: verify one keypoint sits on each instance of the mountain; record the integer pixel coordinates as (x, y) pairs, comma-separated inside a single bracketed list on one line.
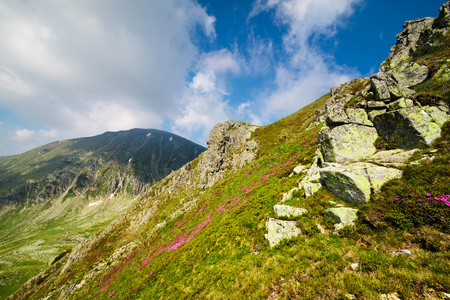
[(54, 196), (345, 199)]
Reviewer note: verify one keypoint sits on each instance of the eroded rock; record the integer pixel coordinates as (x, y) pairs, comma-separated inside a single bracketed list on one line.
[(355, 182), (410, 127), (347, 143)]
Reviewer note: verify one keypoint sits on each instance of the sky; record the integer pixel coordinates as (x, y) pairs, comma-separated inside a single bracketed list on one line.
[(73, 69)]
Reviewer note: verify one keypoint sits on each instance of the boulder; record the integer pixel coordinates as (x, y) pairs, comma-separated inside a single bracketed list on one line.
[(347, 143), (438, 116), (280, 229), (372, 114), (343, 216), (298, 169), (410, 127), (349, 116), (410, 74), (288, 211), (355, 182)]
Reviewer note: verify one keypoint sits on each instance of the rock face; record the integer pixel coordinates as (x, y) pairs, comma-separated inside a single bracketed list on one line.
[(229, 148), (278, 230), (346, 143), (223, 140), (409, 127)]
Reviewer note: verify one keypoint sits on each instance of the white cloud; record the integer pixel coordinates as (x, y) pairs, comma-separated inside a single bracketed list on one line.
[(23, 135), (205, 101), (307, 72), (80, 68)]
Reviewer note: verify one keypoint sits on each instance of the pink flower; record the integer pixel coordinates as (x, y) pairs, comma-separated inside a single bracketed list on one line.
[(428, 194), (419, 199), (410, 194), (398, 199)]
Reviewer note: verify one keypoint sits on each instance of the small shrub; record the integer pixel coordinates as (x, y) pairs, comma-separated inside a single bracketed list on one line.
[(383, 144)]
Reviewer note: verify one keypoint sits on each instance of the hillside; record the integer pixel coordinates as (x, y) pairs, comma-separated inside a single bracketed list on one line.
[(54, 196), (348, 198)]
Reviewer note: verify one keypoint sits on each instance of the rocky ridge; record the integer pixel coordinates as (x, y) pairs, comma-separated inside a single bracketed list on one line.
[(361, 112)]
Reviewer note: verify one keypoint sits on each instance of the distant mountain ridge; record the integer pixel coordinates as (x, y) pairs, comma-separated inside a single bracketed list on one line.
[(145, 156)]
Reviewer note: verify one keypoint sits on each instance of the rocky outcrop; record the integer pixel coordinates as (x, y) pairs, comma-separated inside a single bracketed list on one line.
[(407, 42), (383, 106), (221, 153), (229, 148)]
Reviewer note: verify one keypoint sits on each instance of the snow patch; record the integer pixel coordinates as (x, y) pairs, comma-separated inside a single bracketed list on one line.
[(171, 138), (149, 134), (130, 159), (95, 203)]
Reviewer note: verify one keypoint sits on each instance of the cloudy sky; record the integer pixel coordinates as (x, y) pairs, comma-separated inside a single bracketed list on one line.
[(73, 68)]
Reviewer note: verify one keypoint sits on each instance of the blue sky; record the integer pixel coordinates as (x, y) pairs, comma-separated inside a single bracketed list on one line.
[(79, 68)]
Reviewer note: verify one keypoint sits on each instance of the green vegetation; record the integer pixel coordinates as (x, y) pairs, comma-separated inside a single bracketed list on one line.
[(217, 250)]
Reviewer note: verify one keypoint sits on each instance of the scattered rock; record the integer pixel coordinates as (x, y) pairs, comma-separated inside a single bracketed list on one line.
[(298, 169), (322, 230), (343, 216), (288, 211), (354, 266), (392, 296), (403, 252), (280, 229)]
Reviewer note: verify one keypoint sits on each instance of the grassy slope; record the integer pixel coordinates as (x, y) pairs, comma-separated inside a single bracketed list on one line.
[(217, 250)]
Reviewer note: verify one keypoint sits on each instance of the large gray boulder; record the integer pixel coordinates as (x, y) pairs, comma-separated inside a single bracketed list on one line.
[(355, 182), (278, 230), (410, 127), (347, 143), (343, 116), (288, 211)]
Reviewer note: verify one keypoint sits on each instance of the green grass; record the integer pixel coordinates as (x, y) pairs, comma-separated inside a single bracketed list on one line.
[(217, 249), (227, 256)]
